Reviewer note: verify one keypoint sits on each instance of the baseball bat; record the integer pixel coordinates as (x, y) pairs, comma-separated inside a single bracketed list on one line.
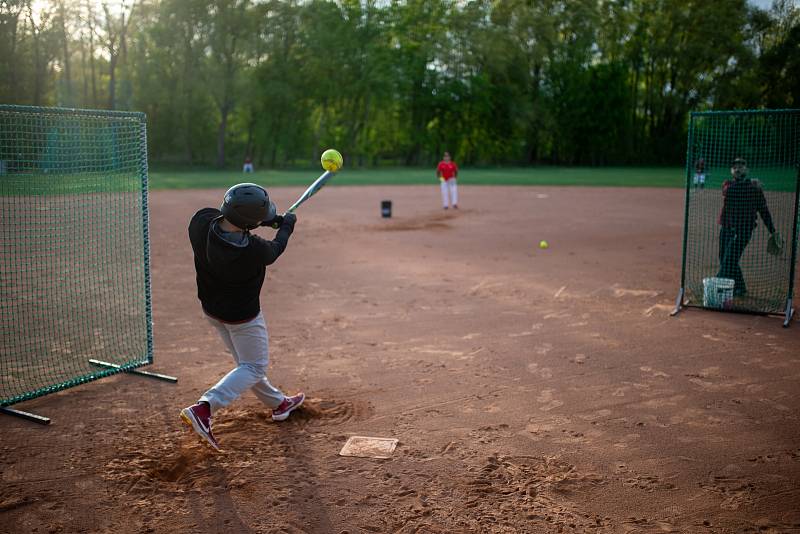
[(308, 193), (311, 191)]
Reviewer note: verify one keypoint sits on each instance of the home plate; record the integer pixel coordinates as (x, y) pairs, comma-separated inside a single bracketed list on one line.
[(366, 447)]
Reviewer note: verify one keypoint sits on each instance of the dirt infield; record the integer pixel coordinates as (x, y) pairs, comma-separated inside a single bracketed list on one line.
[(530, 390)]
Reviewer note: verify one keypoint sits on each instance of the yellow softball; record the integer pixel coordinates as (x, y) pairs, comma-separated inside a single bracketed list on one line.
[(331, 160)]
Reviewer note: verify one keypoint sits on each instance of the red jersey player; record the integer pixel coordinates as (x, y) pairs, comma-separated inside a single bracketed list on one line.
[(447, 172)]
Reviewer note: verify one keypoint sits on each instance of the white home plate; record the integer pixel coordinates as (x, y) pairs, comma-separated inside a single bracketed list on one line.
[(366, 447)]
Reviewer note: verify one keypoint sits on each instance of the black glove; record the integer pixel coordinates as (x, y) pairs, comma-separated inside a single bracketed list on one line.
[(288, 220), (275, 222), (775, 244)]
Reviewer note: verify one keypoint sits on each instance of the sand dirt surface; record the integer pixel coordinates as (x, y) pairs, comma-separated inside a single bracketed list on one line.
[(530, 390)]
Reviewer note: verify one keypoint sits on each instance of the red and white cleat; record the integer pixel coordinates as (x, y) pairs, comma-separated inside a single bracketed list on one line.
[(289, 403), (198, 416)]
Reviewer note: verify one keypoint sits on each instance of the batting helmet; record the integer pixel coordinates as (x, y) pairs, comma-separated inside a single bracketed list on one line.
[(247, 206)]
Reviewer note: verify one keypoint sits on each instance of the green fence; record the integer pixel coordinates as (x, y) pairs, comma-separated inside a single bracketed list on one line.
[(74, 263), (740, 233)]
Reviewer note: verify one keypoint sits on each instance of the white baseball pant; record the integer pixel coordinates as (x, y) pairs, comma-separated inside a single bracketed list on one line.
[(451, 187), (249, 344)]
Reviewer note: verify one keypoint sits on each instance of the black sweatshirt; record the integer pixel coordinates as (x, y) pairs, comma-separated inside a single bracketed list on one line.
[(229, 275), (742, 201)]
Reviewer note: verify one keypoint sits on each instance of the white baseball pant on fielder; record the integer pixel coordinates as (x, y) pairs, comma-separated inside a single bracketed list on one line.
[(699, 178), (453, 190)]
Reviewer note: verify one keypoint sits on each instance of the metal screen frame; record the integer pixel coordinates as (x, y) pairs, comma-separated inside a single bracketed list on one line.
[(793, 240), (103, 369)]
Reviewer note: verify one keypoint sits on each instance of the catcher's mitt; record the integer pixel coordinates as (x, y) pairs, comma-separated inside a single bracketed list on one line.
[(775, 244)]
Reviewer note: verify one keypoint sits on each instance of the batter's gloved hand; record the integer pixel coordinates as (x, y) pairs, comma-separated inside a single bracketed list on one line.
[(289, 219), (775, 244), (275, 222)]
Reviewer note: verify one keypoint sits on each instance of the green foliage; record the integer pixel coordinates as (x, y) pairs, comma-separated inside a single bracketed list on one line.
[(513, 82)]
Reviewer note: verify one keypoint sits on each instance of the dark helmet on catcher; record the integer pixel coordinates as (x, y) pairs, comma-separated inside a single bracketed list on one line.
[(247, 206), (739, 168)]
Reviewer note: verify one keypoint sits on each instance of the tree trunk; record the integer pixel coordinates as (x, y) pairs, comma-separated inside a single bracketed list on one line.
[(633, 140), (68, 101), (365, 127), (85, 92), (91, 54), (112, 82), (273, 159), (223, 126), (13, 75), (532, 152), (38, 80), (323, 121), (123, 55), (186, 90), (251, 126), (116, 46), (112, 59)]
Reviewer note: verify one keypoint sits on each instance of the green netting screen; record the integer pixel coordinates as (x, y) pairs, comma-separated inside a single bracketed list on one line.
[(74, 265), (742, 183)]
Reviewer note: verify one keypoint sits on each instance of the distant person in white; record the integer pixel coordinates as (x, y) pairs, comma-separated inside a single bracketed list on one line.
[(248, 164), (447, 172), (700, 173)]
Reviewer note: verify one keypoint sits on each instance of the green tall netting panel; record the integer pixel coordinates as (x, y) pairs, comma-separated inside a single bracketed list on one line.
[(740, 233), (74, 265)]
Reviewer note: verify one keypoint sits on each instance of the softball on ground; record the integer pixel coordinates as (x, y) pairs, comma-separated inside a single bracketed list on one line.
[(543, 244), (331, 160)]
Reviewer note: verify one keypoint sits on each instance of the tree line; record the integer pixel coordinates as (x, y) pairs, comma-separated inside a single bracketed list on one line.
[(508, 82)]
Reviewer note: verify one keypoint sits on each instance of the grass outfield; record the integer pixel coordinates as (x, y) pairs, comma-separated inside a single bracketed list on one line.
[(571, 176)]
